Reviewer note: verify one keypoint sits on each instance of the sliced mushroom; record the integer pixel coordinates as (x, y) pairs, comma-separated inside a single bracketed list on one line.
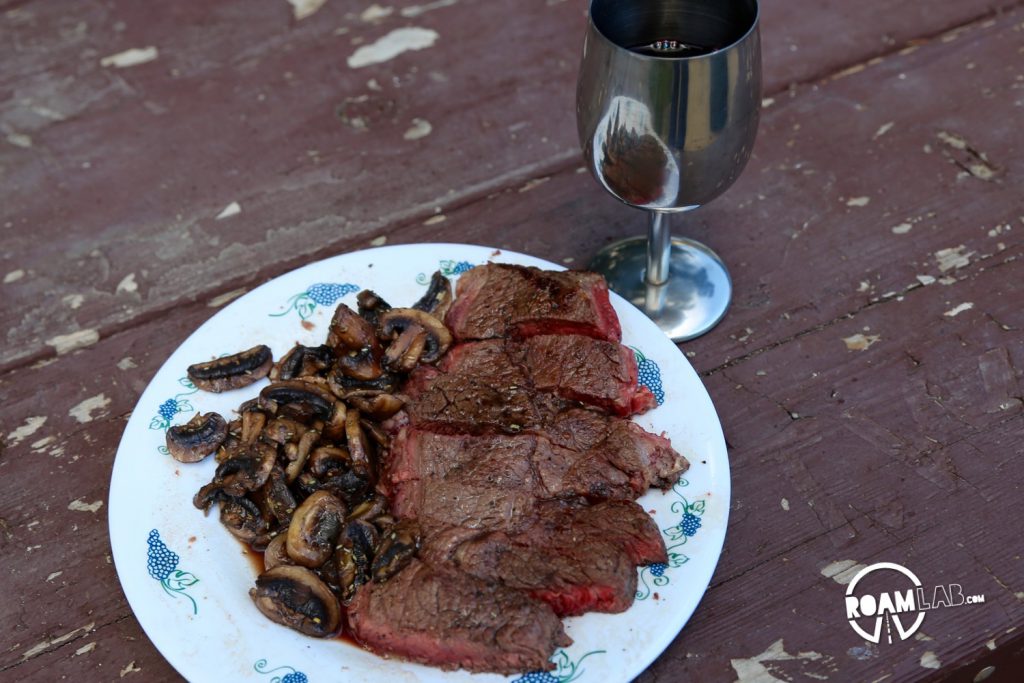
[(334, 428), (371, 305), (362, 364), (348, 330), (252, 424), (404, 353), (358, 446), (232, 372), (247, 471), (397, 320), (305, 445), (376, 433), (314, 528), (438, 298), (316, 398), (275, 498), (281, 430), (243, 519), (327, 460), (350, 486), (370, 509), (394, 552), (276, 555), (295, 597), (302, 361), (379, 407), (197, 438), (353, 557), (344, 387)]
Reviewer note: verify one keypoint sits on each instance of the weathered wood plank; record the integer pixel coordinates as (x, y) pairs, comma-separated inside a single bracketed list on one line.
[(930, 376), (243, 104)]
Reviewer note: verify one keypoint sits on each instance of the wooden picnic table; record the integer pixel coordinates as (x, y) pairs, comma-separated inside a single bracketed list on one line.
[(159, 159)]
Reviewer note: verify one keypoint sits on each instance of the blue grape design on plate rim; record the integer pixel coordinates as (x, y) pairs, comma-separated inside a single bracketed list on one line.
[(566, 670), (162, 564), (293, 676), (649, 375), (676, 537), (448, 268), (167, 410), (319, 294)]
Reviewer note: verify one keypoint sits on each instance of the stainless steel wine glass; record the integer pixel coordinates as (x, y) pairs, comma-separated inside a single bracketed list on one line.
[(667, 107)]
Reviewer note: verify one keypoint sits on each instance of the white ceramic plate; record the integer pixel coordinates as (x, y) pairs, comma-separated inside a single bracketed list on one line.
[(187, 579)]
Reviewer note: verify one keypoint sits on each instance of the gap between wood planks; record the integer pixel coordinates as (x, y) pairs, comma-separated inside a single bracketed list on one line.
[(966, 272), (560, 164)]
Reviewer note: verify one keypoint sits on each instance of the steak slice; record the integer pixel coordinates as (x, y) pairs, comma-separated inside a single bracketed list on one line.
[(498, 300), (576, 558), (592, 371), (596, 576), (449, 620), (494, 481)]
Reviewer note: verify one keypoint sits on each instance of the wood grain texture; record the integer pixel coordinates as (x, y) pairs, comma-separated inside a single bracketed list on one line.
[(877, 204), (241, 104)]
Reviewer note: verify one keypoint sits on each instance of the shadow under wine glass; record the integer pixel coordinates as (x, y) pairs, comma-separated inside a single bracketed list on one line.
[(667, 107)]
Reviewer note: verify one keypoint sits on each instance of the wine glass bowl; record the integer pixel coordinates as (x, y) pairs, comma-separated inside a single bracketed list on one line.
[(667, 106)]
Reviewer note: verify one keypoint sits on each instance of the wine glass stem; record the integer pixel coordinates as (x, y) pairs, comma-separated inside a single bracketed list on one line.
[(659, 246)]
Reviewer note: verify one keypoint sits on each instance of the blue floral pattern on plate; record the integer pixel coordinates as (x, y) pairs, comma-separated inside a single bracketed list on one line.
[(293, 676), (565, 671), (173, 406), (676, 537), (320, 294), (649, 375), (162, 564), (448, 268)]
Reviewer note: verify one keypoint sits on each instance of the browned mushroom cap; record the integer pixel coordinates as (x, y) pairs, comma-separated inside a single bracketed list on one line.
[(197, 438), (334, 427), (281, 430), (369, 509), (247, 470), (243, 519), (404, 353), (275, 498), (397, 320), (344, 387), (316, 398), (302, 361), (375, 432), (371, 305), (295, 597), (314, 528), (276, 554), (325, 460), (362, 364), (379, 407), (395, 551), (348, 330), (232, 372), (438, 298), (354, 556)]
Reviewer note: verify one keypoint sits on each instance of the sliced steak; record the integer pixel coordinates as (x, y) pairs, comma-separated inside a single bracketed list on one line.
[(493, 481), (592, 371), (499, 300), (444, 619), (510, 386), (576, 558), (596, 576)]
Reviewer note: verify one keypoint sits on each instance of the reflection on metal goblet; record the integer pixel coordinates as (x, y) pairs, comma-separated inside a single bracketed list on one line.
[(667, 107)]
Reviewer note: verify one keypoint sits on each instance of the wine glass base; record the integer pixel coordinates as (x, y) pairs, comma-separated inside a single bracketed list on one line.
[(692, 301)]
